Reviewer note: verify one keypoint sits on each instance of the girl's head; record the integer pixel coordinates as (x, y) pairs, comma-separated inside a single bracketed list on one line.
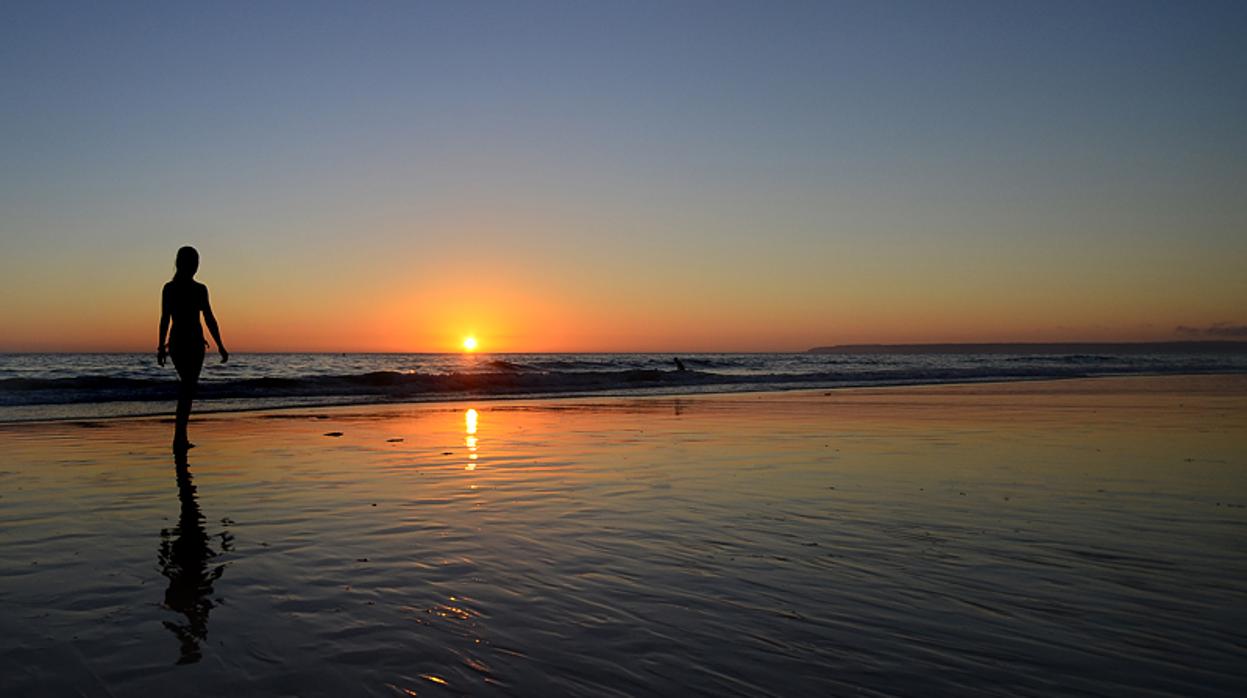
[(187, 262)]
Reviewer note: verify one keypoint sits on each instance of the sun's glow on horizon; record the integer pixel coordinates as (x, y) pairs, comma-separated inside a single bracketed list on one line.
[(469, 344)]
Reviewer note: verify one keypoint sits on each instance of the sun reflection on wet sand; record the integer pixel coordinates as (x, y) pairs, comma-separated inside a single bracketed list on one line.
[(469, 425)]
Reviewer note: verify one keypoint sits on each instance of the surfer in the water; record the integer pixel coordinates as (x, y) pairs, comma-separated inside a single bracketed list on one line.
[(181, 301)]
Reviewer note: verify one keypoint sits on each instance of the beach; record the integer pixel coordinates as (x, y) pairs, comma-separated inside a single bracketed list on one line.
[(1071, 537)]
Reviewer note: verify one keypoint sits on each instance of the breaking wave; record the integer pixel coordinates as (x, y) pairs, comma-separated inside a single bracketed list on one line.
[(513, 378)]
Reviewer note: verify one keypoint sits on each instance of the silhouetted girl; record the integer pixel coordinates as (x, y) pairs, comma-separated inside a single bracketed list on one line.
[(181, 301)]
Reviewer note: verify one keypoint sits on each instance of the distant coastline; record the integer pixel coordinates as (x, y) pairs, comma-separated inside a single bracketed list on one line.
[(1181, 347)]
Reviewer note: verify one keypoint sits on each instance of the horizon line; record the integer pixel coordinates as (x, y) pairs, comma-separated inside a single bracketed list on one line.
[(821, 348)]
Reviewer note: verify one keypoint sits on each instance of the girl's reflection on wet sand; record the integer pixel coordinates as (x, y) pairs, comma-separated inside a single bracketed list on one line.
[(186, 559)]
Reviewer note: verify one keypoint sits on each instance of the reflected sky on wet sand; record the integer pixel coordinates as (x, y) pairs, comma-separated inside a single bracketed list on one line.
[(1081, 537)]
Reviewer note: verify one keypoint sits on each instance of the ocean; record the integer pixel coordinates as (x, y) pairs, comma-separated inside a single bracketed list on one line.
[(35, 387)]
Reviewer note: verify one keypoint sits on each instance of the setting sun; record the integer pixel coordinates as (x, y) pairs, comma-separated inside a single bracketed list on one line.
[(469, 343)]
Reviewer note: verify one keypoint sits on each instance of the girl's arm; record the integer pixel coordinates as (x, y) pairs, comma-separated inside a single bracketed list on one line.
[(161, 350), (213, 329)]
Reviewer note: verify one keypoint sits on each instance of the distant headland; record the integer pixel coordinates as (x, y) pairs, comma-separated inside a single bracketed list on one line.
[(1187, 347)]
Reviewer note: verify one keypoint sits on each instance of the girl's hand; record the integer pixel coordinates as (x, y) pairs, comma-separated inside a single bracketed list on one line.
[(224, 354), (160, 355)]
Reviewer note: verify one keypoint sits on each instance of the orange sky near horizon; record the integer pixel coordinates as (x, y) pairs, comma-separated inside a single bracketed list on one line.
[(522, 307)]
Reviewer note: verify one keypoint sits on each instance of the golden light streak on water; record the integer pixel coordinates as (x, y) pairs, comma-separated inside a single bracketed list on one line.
[(469, 424)]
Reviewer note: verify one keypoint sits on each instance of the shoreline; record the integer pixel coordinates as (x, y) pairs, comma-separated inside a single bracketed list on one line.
[(111, 386), (349, 407)]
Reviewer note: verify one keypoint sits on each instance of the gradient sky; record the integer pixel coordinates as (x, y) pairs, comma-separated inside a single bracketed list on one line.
[(624, 175)]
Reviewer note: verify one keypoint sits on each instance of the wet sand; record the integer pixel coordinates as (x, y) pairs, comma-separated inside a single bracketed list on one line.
[(1082, 537)]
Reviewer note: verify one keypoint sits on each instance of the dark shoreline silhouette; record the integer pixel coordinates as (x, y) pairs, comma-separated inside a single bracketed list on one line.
[(1178, 347)]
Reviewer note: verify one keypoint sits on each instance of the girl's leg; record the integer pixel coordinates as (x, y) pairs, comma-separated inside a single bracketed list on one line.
[(188, 368)]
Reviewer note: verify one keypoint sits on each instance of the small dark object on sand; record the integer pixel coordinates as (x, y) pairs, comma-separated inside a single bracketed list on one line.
[(333, 433), (392, 441), (448, 453)]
